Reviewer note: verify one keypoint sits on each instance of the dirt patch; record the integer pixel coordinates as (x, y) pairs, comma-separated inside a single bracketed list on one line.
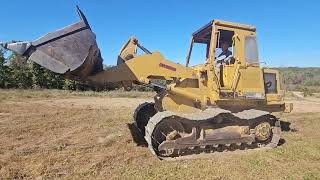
[(306, 105)]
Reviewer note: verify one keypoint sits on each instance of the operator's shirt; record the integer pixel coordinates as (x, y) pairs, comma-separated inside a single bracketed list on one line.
[(223, 58), (227, 54)]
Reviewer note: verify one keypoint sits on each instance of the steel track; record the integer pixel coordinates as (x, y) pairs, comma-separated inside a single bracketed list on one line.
[(197, 151)]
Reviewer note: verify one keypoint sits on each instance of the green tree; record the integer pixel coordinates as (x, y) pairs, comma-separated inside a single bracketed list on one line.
[(38, 76), (70, 85), (2, 73), (5, 71), (54, 80), (43, 78), (21, 76)]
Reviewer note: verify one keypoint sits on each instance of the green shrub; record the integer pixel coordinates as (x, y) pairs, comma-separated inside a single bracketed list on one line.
[(307, 92)]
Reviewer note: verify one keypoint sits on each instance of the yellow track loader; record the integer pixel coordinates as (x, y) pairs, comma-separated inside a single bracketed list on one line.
[(211, 107)]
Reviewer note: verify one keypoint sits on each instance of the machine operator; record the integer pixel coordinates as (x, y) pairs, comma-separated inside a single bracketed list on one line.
[(225, 56)]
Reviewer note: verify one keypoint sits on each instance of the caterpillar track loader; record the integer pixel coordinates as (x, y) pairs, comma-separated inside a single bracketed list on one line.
[(210, 107)]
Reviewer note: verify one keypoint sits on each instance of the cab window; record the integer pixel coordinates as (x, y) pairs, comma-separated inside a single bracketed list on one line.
[(251, 50), (224, 38), (199, 53)]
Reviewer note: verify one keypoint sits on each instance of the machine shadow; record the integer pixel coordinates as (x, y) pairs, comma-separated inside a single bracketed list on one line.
[(281, 142), (137, 136), (285, 127)]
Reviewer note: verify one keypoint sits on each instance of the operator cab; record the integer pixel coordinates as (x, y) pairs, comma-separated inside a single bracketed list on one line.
[(226, 38), (223, 42), (238, 73)]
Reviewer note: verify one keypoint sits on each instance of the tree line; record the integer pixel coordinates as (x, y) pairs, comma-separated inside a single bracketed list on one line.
[(16, 72), (300, 79)]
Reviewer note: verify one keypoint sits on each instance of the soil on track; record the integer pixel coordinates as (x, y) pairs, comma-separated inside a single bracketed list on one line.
[(92, 137)]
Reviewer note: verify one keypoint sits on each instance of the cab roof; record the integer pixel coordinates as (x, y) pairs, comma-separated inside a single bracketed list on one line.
[(203, 35)]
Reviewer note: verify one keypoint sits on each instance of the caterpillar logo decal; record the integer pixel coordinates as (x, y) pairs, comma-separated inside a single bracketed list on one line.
[(167, 67)]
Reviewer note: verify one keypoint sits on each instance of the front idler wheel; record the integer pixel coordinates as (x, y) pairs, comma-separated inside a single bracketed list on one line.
[(263, 132), (167, 130)]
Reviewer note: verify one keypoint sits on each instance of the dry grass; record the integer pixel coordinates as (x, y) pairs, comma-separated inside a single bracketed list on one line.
[(45, 135), (40, 94)]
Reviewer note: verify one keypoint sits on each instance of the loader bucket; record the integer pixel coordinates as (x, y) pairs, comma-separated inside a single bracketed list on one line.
[(71, 50)]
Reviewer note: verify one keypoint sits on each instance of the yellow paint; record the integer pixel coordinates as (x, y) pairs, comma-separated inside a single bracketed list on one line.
[(199, 87)]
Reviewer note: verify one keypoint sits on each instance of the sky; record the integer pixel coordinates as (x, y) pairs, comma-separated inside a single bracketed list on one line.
[(287, 30)]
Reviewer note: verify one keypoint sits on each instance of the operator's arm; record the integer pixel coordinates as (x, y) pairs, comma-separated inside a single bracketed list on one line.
[(224, 58)]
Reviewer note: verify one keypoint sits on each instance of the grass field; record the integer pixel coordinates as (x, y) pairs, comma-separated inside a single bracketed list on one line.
[(59, 134)]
